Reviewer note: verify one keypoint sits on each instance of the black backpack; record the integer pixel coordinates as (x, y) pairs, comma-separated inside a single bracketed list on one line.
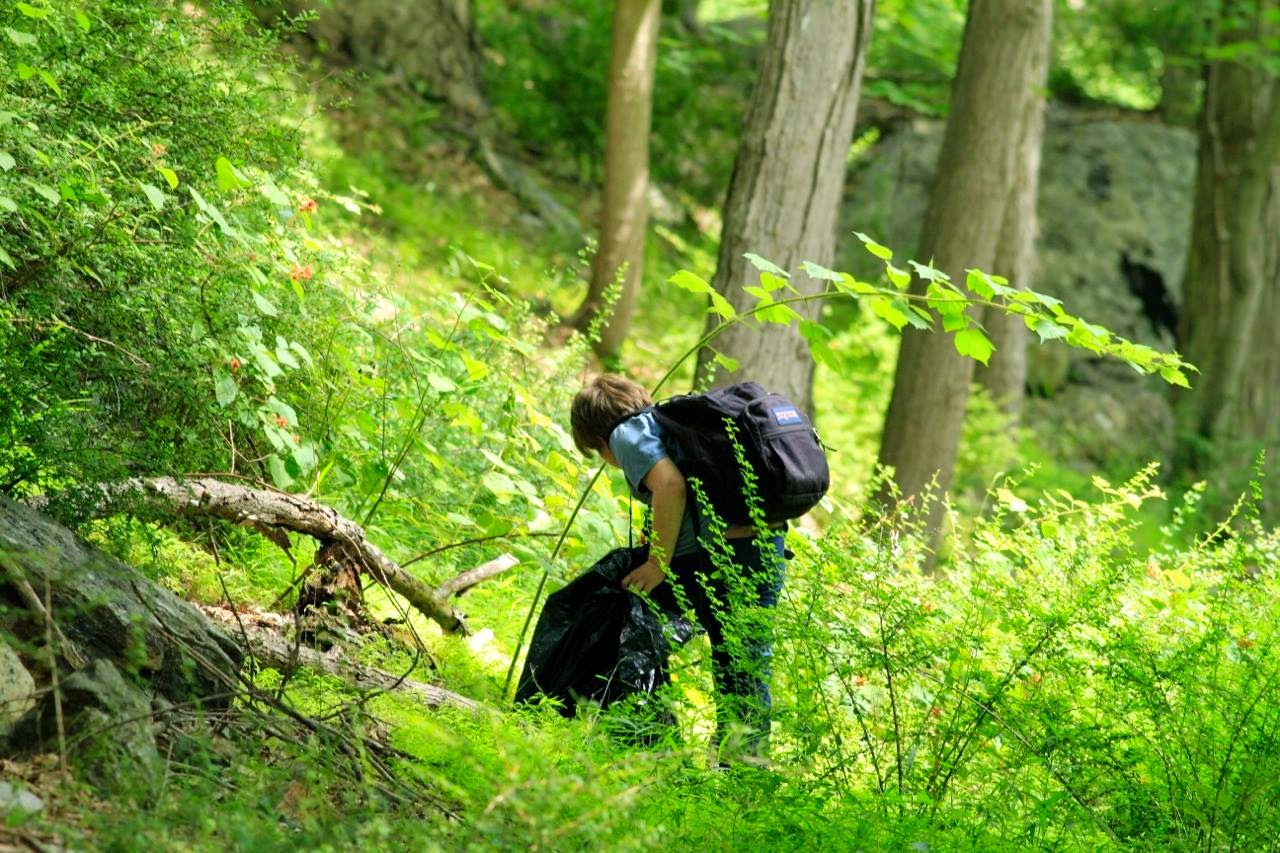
[(777, 439)]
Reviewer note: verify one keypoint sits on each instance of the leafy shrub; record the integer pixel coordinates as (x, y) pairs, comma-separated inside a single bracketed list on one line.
[(159, 272)]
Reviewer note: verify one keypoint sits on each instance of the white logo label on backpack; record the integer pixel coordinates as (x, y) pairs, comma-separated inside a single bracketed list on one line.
[(786, 415)]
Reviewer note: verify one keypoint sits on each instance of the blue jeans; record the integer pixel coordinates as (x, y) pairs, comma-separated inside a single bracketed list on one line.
[(733, 591)]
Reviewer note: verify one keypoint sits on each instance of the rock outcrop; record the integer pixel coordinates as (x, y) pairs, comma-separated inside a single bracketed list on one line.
[(118, 644), (1115, 218)]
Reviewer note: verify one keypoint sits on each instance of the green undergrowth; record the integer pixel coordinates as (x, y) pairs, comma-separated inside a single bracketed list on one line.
[(1057, 687)]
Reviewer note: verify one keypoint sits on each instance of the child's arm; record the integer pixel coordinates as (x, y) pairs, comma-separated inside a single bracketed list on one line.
[(666, 483)]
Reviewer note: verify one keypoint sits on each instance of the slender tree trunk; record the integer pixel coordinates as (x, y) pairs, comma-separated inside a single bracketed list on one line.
[(1005, 376), (980, 167), (1232, 286), (626, 169), (788, 177)]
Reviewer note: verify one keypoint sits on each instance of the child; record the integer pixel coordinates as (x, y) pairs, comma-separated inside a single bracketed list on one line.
[(731, 597)]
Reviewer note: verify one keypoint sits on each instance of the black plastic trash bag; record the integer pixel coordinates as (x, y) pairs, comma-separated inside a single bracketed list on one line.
[(595, 641)]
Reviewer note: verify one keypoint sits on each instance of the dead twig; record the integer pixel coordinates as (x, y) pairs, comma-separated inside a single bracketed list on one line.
[(462, 582)]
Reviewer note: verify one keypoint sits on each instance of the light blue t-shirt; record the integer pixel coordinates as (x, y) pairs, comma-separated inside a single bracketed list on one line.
[(637, 445)]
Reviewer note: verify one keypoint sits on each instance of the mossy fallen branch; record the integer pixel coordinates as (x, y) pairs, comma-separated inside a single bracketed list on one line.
[(273, 511)]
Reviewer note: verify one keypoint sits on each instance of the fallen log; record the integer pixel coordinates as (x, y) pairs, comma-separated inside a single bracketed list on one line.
[(259, 508), (273, 649)]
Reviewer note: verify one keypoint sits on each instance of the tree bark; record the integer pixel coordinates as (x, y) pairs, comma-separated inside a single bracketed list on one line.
[(276, 510), (788, 178), (429, 45), (625, 213), (1005, 376), (1232, 285), (980, 165)]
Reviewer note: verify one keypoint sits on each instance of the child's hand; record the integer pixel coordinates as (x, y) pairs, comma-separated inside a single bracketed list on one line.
[(645, 578)]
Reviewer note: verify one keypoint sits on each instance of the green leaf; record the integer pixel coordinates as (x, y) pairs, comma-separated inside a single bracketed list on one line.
[(211, 212), (170, 176), (502, 486), (771, 282), (284, 355), (1045, 328), (82, 21), (305, 456), (48, 193), (945, 299), (265, 362), (974, 344), (32, 12), (476, 369), (279, 474), (729, 363), (273, 193), (884, 253), (225, 388), (820, 272), (21, 39), (690, 282), (886, 310), (284, 410), (8, 204), (1174, 376), (766, 265), (919, 318), (849, 284), (777, 313), (819, 338), (1088, 336), (6, 161), (6, 260), (50, 82), (154, 195), (441, 384), (721, 306), (977, 282), (301, 351), (228, 178), (929, 273), (264, 305), (25, 71), (1033, 296), (899, 278)]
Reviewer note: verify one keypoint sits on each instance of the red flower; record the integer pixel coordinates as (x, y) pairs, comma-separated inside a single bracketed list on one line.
[(307, 205), (235, 364), (301, 273), (281, 422)]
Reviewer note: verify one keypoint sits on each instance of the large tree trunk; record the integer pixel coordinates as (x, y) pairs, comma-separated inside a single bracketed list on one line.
[(788, 177), (1005, 376), (998, 79), (1232, 287), (429, 45), (625, 213)]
